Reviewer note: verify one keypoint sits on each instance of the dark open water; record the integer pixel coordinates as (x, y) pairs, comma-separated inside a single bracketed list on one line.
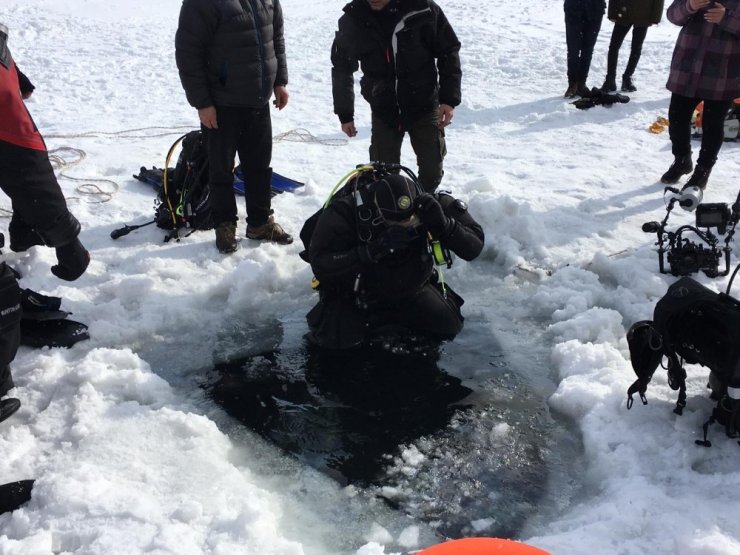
[(456, 435)]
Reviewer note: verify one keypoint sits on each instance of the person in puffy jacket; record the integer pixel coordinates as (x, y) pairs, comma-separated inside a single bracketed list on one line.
[(582, 25), (370, 252), (231, 59), (409, 57), (40, 214), (637, 15), (705, 67)]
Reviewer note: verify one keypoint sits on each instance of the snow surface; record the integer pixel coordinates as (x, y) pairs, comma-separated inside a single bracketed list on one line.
[(129, 457)]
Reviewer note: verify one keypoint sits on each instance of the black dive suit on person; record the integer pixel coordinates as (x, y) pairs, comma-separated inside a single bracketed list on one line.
[(374, 265)]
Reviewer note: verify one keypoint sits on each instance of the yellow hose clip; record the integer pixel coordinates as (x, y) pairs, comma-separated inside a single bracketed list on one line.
[(438, 253)]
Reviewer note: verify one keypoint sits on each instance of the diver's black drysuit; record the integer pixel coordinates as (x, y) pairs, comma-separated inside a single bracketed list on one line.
[(360, 293)]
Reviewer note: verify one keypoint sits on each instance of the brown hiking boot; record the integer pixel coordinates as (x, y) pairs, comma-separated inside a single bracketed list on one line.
[(571, 90), (269, 231), (226, 237)]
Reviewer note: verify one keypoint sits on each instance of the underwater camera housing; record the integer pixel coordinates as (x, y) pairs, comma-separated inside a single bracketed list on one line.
[(685, 256)]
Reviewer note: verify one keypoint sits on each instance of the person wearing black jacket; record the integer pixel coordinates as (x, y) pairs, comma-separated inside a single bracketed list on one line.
[(40, 214), (409, 56), (231, 59), (637, 15), (582, 25), (370, 253)]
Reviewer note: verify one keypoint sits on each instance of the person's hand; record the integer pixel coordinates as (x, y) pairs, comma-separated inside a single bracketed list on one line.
[(696, 5), (715, 13), (72, 261), (445, 115), (281, 97), (208, 117), (431, 214), (349, 129)]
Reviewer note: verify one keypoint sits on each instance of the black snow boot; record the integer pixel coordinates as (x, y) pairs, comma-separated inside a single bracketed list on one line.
[(627, 84), (610, 84), (15, 494), (699, 178), (583, 91), (8, 407), (681, 166)]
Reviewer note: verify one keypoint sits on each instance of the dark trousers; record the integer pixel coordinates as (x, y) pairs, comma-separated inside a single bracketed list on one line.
[(27, 177), (247, 131), (618, 35), (713, 127), (10, 330), (337, 323), (427, 140), (581, 33)]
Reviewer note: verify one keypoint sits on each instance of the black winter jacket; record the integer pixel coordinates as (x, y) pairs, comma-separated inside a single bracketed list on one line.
[(410, 64), (592, 10), (642, 13), (336, 261), (230, 52)]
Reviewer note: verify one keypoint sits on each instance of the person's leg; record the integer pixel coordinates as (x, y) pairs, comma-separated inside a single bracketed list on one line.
[(713, 131), (679, 131), (385, 142), (221, 145), (336, 322), (573, 39), (638, 38), (27, 177), (255, 155), (590, 34), (615, 43), (680, 112), (712, 137), (10, 330), (428, 142), (430, 312)]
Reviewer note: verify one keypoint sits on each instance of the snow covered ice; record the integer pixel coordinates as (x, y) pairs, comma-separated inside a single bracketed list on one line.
[(130, 457)]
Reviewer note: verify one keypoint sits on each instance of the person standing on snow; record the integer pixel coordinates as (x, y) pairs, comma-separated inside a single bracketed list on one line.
[(626, 14), (40, 214), (582, 25), (705, 66), (409, 56), (231, 58)]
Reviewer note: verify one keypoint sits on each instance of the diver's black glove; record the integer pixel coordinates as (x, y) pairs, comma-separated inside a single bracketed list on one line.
[(72, 261), (432, 215)]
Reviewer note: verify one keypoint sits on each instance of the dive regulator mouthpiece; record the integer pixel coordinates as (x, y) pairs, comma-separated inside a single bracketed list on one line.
[(690, 198)]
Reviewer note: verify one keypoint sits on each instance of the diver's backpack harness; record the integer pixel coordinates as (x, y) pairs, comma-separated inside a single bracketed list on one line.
[(692, 324), (183, 200), (355, 185)]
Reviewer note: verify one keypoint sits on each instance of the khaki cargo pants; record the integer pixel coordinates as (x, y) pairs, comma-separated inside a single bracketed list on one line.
[(427, 140)]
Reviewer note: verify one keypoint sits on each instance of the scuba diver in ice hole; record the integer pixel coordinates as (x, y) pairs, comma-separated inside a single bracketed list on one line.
[(373, 249)]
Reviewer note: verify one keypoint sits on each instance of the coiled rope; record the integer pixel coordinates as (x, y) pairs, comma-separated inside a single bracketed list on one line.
[(90, 186), (304, 136)]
